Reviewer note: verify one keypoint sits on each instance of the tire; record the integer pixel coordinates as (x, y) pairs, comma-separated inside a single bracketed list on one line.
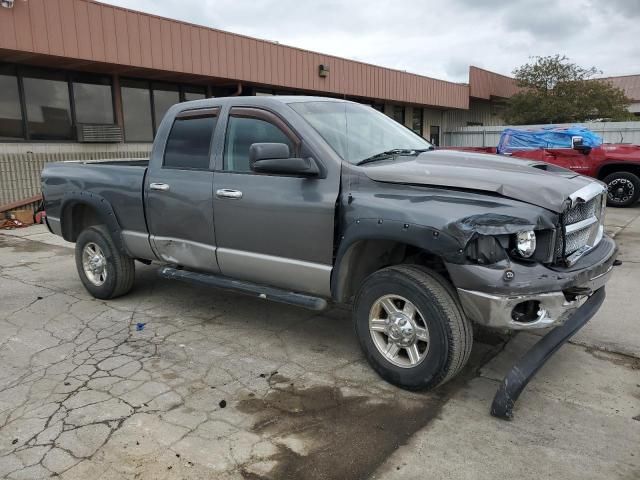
[(450, 333), (624, 189), (118, 273)]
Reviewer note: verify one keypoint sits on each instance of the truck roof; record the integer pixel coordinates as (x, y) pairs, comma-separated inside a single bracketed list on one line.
[(257, 100)]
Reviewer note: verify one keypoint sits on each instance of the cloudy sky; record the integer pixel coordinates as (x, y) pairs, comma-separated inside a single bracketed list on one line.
[(438, 38)]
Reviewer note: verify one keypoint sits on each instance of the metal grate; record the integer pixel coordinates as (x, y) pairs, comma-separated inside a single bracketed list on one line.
[(576, 240), (88, 133), (582, 211), (587, 236)]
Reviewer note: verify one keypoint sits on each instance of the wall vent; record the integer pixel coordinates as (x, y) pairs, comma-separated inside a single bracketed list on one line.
[(89, 133)]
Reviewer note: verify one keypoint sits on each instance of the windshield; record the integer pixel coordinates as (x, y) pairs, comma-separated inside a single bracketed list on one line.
[(357, 132)]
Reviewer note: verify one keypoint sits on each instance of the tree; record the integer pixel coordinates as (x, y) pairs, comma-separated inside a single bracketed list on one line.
[(555, 90)]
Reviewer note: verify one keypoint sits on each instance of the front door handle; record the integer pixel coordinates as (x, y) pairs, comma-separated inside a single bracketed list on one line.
[(228, 193), (162, 187)]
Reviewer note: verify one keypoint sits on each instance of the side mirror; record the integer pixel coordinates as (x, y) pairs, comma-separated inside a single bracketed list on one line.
[(577, 143), (274, 158)]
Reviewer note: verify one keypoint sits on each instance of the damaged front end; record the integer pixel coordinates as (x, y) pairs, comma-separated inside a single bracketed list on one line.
[(523, 246), (506, 285), (558, 283)]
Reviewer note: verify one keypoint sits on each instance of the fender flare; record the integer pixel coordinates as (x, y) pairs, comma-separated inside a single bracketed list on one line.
[(101, 206), (622, 166), (426, 238)]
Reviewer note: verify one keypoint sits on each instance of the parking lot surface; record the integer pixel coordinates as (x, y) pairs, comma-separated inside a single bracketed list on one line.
[(174, 381)]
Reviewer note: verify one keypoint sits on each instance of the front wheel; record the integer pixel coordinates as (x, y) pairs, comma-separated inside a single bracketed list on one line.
[(623, 189), (104, 271), (411, 327)]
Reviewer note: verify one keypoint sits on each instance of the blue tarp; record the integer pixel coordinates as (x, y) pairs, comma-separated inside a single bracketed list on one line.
[(545, 137)]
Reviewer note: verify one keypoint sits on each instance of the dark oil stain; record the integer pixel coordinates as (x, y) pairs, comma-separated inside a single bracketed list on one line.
[(490, 336), (24, 245), (616, 358), (346, 437), (169, 375)]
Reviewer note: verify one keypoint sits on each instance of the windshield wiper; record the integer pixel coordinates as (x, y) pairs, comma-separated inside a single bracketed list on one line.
[(393, 153)]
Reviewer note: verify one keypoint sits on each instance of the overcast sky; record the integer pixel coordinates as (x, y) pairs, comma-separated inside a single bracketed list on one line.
[(438, 38)]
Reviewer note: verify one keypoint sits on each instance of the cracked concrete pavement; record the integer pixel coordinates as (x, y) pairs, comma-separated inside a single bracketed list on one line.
[(174, 381)]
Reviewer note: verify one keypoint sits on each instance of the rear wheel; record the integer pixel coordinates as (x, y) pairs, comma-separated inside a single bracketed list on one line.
[(411, 327), (104, 271), (624, 189)]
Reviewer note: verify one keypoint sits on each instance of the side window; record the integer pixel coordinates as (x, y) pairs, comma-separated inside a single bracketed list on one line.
[(189, 143), (242, 132)]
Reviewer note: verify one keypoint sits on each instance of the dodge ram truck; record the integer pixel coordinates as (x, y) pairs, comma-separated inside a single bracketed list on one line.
[(307, 200)]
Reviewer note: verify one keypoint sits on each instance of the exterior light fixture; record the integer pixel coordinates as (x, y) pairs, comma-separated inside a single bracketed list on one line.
[(526, 243), (323, 70)]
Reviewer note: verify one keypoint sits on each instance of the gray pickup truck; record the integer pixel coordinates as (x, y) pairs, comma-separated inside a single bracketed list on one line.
[(307, 200)]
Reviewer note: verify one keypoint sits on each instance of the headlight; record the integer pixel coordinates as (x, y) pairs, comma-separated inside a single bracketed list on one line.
[(526, 243)]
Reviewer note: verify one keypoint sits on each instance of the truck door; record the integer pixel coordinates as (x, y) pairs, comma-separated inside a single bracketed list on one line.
[(567, 158), (272, 229), (178, 189)]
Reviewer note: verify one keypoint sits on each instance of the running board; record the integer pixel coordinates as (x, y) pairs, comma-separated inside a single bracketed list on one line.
[(524, 369), (253, 289)]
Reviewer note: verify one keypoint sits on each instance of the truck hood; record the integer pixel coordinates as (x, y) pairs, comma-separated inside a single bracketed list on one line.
[(533, 182)]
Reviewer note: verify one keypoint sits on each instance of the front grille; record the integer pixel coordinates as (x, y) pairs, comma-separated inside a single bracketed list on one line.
[(582, 229), (581, 211), (576, 240)]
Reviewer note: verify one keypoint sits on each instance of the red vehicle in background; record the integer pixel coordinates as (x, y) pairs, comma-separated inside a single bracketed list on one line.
[(578, 149)]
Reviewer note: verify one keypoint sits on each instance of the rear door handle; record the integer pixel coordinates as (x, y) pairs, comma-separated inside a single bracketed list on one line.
[(162, 187), (228, 193)]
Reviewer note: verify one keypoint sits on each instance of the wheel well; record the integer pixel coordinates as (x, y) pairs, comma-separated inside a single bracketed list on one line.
[(618, 167), (76, 218), (368, 256)]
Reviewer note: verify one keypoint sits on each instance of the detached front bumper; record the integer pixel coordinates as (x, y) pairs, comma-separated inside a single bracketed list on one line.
[(552, 294), (524, 369)]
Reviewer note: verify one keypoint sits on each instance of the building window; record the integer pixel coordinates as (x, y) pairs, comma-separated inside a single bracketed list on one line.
[(474, 124), (189, 143), (144, 105), (11, 126), (136, 109), (45, 104), (193, 93), (434, 135), (398, 114), (164, 97), (417, 120), (48, 107), (93, 100)]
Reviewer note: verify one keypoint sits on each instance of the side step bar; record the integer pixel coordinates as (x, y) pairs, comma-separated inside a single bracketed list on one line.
[(524, 369), (253, 289)]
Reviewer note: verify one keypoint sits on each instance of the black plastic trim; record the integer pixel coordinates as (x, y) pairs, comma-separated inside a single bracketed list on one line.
[(428, 239), (100, 204), (260, 291)]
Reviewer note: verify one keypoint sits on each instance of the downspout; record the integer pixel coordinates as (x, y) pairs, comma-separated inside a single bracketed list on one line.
[(238, 91)]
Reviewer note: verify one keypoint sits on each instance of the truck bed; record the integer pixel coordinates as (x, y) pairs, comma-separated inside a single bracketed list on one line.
[(120, 182)]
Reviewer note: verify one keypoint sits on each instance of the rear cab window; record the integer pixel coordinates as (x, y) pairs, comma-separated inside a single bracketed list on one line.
[(189, 142)]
